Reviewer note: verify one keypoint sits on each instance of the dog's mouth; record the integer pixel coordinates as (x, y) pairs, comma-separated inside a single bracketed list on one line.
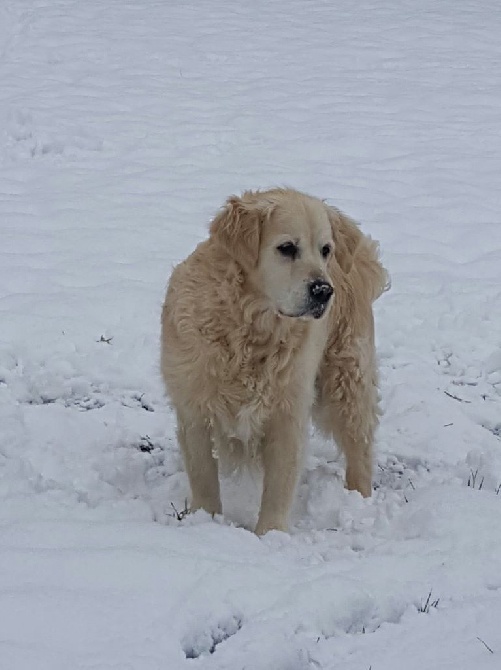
[(317, 311), (311, 311), (314, 304)]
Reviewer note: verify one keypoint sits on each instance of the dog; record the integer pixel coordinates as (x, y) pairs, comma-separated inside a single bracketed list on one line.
[(266, 325)]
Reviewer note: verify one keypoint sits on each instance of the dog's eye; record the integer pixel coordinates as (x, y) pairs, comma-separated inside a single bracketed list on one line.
[(289, 250), (326, 250)]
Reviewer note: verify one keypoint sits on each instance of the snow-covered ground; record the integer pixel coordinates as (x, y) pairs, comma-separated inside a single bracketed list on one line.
[(123, 126)]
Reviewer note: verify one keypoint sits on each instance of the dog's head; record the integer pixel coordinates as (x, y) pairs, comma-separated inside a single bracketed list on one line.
[(284, 241)]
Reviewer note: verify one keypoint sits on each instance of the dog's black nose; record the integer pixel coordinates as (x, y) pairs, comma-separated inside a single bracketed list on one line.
[(320, 291)]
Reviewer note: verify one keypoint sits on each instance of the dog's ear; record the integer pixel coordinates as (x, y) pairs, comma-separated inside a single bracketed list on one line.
[(358, 255), (238, 227), (347, 236)]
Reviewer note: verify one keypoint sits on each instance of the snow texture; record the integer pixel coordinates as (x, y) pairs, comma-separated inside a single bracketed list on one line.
[(123, 127)]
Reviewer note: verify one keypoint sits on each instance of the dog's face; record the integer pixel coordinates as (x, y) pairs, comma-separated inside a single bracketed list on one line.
[(295, 247), (284, 241)]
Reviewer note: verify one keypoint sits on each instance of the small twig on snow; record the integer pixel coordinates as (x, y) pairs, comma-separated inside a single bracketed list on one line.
[(455, 397), (180, 515), (106, 340), (485, 645)]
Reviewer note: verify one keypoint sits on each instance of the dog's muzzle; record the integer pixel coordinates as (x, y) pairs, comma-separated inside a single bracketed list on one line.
[(319, 294)]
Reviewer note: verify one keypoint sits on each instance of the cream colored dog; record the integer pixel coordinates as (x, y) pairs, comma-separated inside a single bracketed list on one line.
[(268, 323)]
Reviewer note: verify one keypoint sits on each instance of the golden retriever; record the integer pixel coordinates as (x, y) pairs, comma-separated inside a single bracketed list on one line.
[(268, 323)]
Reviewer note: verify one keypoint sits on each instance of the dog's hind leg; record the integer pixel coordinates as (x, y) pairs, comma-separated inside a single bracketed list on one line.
[(347, 409), (357, 446), (196, 444)]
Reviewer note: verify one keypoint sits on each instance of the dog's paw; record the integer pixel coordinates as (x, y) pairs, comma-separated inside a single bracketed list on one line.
[(265, 525)]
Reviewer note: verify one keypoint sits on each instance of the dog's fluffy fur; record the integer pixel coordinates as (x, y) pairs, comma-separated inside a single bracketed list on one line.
[(249, 353)]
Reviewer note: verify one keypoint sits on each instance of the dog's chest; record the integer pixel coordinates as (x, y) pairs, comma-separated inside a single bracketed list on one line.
[(260, 380)]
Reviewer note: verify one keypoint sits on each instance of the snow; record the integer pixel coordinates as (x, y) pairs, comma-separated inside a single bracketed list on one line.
[(124, 126)]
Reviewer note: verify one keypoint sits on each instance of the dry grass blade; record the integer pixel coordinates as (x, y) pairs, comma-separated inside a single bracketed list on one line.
[(180, 514), (485, 645), (429, 603)]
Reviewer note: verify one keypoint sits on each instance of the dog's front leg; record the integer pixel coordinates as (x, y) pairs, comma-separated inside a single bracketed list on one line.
[(282, 448), (196, 444)]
